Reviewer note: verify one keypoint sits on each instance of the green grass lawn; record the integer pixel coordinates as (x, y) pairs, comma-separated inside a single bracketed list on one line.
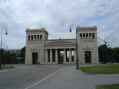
[(113, 86), (102, 69)]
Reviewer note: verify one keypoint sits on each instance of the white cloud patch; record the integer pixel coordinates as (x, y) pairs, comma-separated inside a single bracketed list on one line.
[(57, 16)]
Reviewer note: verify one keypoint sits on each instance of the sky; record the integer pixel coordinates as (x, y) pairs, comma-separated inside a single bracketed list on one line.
[(57, 16)]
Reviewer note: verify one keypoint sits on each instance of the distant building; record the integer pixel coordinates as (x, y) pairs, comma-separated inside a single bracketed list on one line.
[(41, 50)]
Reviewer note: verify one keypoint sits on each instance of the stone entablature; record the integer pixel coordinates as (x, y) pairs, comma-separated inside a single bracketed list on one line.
[(61, 43)]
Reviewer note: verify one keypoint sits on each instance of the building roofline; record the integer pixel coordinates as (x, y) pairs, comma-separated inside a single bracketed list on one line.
[(87, 28), (36, 29), (59, 39)]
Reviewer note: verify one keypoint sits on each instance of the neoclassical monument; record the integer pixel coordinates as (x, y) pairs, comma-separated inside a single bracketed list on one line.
[(41, 50)]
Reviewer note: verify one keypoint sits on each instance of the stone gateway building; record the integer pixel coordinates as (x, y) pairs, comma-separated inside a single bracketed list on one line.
[(41, 50)]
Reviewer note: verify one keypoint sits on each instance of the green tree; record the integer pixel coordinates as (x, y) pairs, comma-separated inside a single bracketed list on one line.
[(8, 58), (110, 55), (22, 55), (116, 54), (105, 54)]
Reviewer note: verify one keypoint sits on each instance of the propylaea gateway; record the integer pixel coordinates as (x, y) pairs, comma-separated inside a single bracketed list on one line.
[(41, 50)]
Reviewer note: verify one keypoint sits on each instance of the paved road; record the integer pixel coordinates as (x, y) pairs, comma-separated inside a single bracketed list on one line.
[(52, 77), (69, 78), (25, 75)]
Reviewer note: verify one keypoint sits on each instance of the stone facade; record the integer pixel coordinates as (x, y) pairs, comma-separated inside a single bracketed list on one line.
[(41, 50)]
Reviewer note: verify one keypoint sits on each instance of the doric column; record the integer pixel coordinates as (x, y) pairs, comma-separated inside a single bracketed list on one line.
[(70, 55), (50, 56), (74, 56), (56, 56), (64, 56)]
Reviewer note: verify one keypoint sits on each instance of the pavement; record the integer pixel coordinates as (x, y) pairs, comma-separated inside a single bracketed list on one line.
[(52, 77), (25, 75), (69, 78)]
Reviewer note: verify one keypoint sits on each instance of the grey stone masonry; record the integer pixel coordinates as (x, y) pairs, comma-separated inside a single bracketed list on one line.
[(41, 50)]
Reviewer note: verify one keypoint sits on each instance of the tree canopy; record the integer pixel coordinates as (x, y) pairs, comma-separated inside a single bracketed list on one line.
[(107, 54)]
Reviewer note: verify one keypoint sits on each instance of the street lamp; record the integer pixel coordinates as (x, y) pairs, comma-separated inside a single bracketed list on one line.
[(77, 60), (3, 32)]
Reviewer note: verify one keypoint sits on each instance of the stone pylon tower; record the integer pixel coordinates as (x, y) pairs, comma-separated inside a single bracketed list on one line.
[(35, 49), (87, 45)]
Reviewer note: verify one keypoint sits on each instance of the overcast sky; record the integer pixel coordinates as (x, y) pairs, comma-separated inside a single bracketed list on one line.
[(57, 16)]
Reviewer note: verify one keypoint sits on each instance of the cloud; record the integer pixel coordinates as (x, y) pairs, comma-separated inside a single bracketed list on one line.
[(57, 16)]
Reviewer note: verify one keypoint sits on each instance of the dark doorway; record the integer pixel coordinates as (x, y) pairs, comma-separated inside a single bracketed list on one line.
[(49, 55), (60, 57), (35, 58), (87, 56), (53, 55)]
